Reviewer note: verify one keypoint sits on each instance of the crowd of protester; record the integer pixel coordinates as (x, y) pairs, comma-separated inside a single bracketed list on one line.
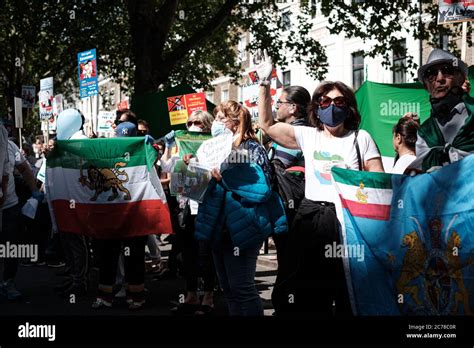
[(218, 241)]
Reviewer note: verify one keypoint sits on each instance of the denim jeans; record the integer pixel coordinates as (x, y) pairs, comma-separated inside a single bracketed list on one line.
[(236, 273)]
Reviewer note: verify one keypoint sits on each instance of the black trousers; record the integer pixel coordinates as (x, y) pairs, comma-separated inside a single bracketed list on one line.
[(308, 282), (76, 255), (197, 258), (109, 252), (11, 232)]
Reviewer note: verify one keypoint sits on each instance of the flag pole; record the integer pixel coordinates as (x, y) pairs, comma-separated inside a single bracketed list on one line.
[(464, 41)]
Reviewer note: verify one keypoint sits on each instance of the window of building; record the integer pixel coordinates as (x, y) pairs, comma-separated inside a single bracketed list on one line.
[(242, 48), (357, 69), (314, 7), (286, 20), (210, 96), (399, 63), (286, 79), (224, 95)]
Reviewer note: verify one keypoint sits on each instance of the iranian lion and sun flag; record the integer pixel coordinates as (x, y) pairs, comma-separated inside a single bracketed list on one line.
[(416, 233), (106, 188)]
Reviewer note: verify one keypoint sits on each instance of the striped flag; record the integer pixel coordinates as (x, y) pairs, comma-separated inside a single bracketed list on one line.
[(365, 196), (106, 188), (408, 240)]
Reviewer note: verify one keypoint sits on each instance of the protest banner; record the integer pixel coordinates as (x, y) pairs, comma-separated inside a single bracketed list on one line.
[(410, 238), (46, 98), (113, 185), (451, 11), (28, 96), (190, 181), (123, 105), (250, 95), (57, 109), (214, 151), (189, 142), (106, 121), (88, 74), (181, 106)]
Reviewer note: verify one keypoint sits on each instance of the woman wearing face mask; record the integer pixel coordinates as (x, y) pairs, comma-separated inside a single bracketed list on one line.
[(197, 257), (239, 210), (317, 281)]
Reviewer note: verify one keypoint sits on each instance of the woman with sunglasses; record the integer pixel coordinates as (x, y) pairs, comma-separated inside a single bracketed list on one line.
[(197, 256), (317, 283)]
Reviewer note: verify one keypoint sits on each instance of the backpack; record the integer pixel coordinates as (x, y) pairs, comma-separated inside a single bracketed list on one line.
[(289, 184)]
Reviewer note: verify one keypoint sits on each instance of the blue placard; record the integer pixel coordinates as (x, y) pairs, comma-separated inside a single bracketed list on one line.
[(88, 73)]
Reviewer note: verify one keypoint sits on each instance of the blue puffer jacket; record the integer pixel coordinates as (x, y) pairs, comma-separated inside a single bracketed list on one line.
[(245, 203)]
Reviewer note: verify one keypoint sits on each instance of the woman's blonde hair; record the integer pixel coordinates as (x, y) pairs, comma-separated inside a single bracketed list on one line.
[(205, 117), (241, 117)]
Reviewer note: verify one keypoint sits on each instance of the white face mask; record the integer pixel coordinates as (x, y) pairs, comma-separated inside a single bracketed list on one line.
[(217, 128), (194, 128)]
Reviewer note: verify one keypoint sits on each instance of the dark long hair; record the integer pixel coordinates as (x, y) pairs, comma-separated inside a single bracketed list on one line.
[(300, 97), (407, 127), (352, 122)]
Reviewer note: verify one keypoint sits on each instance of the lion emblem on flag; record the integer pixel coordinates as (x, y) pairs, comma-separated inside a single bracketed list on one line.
[(106, 179)]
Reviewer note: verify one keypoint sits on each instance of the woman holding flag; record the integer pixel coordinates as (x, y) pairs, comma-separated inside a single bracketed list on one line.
[(316, 284), (197, 257)]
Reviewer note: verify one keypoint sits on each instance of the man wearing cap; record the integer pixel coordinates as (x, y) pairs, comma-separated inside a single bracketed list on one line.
[(448, 134)]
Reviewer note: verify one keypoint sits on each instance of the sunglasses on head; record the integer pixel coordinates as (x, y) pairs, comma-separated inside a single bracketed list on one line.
[(325, 101), (196, 123), (432, 72)]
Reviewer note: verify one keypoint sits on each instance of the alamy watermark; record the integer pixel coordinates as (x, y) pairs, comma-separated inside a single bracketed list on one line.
[(20, 251), (28, 330), (398, 109), (354, 251)]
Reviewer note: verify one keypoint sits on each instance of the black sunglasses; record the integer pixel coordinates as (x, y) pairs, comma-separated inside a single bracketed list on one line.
[(432, 72), (325, 101)]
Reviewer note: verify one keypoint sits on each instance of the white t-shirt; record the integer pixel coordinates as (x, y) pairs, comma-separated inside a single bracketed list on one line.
[(321, 153), (15, 158), (402, 164)]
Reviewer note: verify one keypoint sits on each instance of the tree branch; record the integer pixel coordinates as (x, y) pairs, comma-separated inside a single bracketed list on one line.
[(200, 35)]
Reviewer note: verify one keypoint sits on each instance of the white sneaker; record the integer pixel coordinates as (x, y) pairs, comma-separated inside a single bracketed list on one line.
[(122, 293), (9, 290), (101, 303)]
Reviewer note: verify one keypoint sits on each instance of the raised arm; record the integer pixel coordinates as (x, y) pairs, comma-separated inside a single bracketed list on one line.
[(282, 133)]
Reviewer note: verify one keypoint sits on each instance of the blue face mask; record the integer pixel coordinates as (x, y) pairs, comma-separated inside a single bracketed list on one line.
[(333, 115), (217, 128)]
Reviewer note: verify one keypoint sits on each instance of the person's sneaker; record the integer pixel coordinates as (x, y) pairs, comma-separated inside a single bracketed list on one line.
[(100, 303), (56, 264), (9, 290), (122, 293), (134, 305)]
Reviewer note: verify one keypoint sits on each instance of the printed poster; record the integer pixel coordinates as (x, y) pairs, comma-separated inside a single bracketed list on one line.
[(181, 106), (88, 75)]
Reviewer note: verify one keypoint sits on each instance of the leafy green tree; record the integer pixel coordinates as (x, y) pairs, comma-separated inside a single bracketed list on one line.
[(384, 23)]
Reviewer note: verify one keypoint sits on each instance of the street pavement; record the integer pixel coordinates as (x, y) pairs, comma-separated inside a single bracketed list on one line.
[(36, 283)]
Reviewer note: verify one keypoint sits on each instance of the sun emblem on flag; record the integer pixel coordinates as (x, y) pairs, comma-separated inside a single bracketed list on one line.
[(361, 194)]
